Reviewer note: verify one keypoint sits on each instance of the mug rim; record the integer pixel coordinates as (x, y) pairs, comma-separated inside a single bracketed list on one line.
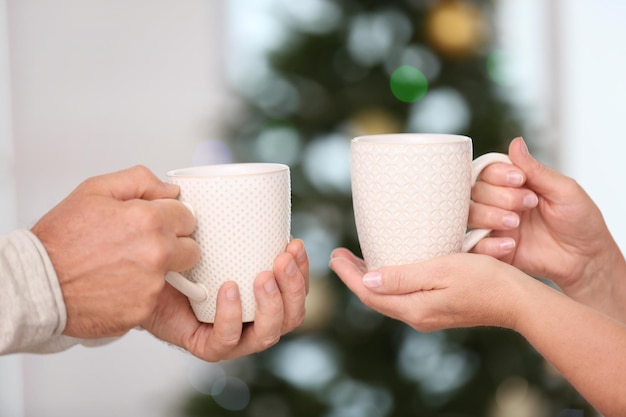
[(237, 169), (412, 138)]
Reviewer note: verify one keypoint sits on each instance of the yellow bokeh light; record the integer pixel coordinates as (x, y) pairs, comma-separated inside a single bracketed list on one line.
[(371, 121), (455, 27)]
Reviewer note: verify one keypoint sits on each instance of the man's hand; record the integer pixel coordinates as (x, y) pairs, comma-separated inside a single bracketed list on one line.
[(280, 296), (111, 242)]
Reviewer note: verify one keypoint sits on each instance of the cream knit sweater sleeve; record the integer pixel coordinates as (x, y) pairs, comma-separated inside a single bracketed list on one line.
[(32, 311)]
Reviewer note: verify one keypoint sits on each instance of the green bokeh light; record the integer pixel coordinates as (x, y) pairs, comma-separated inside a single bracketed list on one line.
[(408, 84), (499, 68)]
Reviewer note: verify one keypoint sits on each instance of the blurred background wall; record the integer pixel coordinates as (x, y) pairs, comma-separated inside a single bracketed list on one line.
[(99, 86), (589, 68), (11, 400)]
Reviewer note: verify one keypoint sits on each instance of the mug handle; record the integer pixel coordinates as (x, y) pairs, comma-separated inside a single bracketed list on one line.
[(194, 291), (474, 236)]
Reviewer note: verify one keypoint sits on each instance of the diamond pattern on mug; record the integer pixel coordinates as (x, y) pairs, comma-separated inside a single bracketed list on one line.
[(243, 223), (410, 201)]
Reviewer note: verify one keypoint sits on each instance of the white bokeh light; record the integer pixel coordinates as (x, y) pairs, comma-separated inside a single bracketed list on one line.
[(372, 36), (326, 163), (443, 110), (440, 367), (307, 363), (313, 16), (352, 398), (279, 144)]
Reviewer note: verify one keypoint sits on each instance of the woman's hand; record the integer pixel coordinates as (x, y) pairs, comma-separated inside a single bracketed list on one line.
[(546, 225), (460, 290)]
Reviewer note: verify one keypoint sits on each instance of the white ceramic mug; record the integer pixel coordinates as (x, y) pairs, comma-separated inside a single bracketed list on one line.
[(411, 195), (243, 214)]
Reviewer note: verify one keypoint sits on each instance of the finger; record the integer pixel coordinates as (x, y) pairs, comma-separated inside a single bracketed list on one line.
[(185, 256), (351, 276), (297, 250), (482, 216), (293, 288), (135, 182), (268, 318), (514, 199), (378, 297), (406, 279), (228, 324), (162, 227), (539, 178), (498, 247), (350, 257), (505, 175), (176, 216), (384, 302)]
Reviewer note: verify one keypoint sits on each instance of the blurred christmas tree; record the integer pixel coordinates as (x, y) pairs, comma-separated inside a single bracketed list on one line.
[(347, 68)]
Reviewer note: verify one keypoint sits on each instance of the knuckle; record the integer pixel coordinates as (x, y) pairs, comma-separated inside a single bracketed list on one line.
[(297, 292), (268, 342), (477, 191), (230, 342), (440, 272), (366, 298), (512, 199), (148, 222), (571, 186), (194, 254), (423, 327), (141, 171), (394, 279), (147, 217), (157, 249), (161, 255), (294, 322), (89, 183), (493, 218), (224, 344)]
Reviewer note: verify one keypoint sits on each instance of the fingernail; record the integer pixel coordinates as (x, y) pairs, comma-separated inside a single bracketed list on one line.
[(373, 279), (510, 220), (524, 147), (171, 186), (301, 255), (531, 201), (291, 268), (270, 286), (330, 264), (190, 208), (507, 244), (514, 178), (232, 294)]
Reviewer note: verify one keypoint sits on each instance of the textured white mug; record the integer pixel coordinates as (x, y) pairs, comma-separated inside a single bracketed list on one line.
[(411, 195), (243, 214)]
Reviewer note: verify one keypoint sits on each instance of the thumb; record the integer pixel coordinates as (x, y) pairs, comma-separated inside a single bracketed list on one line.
[(397, 280), (132, 183), (539, 178)]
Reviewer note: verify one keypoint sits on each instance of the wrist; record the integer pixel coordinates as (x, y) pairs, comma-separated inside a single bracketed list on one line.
[(515, 298), (534, 302), (602, 285)]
